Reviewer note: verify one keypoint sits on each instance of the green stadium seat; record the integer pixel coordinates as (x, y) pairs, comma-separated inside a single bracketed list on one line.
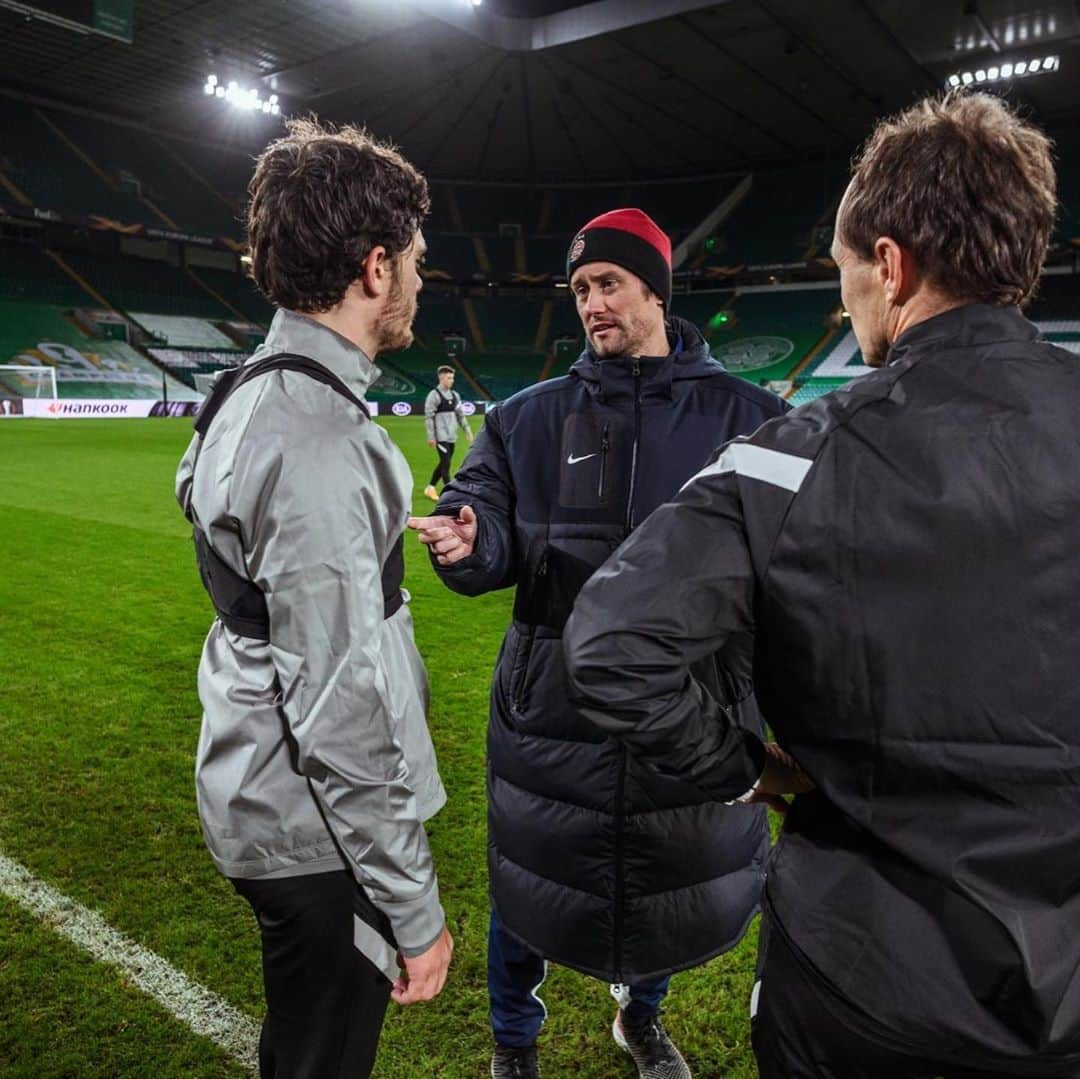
[(85, 366), (29, 275)]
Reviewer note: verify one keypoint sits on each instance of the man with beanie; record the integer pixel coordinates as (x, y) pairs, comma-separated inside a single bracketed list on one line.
[(595, 861)]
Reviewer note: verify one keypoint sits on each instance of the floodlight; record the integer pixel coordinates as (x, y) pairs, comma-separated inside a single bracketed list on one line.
[(244, 98), (1042, 65)]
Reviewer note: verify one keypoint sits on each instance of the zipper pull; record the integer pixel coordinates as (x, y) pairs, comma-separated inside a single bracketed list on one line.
[(541, 570), (636, 368)]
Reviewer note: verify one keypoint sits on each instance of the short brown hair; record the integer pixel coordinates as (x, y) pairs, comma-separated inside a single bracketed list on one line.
[(964, 184), (321, 199)]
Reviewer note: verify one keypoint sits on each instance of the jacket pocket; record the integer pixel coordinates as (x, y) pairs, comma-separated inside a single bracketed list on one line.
[(519, 667), (587, 460)]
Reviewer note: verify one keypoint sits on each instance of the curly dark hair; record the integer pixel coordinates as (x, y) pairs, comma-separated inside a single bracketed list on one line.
[(967, 186), (321, 199)]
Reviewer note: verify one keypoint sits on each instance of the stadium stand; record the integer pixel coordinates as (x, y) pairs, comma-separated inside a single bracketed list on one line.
[(53, 174), (236, 290), (132, 284), (28, 273), (766, 334), (138, 165), (776, 221), (1067, 233), (39, 334), (502, 376), (508, 323), (1055, 311), (183, 331), (206, 315)]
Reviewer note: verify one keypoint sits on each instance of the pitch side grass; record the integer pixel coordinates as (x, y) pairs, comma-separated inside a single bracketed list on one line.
[(101, 622)]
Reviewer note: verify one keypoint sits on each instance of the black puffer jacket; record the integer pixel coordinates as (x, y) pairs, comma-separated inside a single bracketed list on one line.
[(595, 860)]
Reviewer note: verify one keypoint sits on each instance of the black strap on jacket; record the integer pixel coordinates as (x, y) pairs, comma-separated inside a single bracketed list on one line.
[(238, 601), (447, 405)]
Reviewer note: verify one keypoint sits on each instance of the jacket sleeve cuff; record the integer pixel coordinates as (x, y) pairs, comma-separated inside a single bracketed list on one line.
[(746, 795), (416, 923), (755, 765)]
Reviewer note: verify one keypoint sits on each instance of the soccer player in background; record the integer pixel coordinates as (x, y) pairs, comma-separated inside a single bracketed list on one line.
[(315, 770), (443, 415), (595, 861), (906, 551)]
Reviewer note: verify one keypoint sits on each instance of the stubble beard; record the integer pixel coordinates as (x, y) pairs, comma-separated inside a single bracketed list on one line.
[(395, 326), (627, 339)]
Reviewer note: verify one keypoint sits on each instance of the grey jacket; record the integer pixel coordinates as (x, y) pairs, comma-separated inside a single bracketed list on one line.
[(314, 753), (443, 426)]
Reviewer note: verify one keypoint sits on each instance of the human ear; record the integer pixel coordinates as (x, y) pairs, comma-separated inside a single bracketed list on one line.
[(894, 269), (375, 271)]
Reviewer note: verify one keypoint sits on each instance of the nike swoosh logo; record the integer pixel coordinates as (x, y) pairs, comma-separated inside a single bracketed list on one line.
[(572, 460)]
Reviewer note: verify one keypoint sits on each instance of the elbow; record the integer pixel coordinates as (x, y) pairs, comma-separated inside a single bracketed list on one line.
[(583, 670)]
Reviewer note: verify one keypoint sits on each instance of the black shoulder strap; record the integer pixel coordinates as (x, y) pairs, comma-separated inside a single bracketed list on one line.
[(233, 378)]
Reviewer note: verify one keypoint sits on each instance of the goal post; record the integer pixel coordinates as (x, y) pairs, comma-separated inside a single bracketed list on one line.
[(28, 380)]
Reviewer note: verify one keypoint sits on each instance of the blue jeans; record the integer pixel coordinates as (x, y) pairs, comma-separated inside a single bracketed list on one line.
[(515, 974)]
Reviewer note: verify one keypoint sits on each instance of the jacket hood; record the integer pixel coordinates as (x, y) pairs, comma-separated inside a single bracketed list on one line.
[(693, 359)]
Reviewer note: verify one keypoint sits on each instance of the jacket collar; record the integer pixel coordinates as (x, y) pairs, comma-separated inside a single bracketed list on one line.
[(293, 332), (612, 378), (964, 327)]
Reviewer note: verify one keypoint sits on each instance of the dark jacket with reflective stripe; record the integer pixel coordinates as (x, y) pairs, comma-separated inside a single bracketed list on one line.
[(907, 551), (595, 860)]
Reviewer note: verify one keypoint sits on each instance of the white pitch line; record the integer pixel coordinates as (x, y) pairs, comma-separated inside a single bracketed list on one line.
[(196, 1006)]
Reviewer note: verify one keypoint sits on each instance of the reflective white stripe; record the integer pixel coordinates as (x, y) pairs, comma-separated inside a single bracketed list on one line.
[(536, 989), (754, 999), (375, 949), (758, 463)]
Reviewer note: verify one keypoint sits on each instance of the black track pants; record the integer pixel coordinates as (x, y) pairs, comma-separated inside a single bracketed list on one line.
[(325, 1001), (442, 469)]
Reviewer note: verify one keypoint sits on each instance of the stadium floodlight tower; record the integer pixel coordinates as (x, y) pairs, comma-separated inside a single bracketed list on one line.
[(28, 380)]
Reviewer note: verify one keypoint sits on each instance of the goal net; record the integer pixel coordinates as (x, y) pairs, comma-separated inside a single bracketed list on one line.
[(24, 380)]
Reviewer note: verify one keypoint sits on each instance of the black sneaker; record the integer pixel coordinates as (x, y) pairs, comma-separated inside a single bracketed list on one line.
[(509, 1063), (652, 1051)]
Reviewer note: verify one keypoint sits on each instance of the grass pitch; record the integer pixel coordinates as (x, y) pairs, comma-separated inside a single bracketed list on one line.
[(101, 624)]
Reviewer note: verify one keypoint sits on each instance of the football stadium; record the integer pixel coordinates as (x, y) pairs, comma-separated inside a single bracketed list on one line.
[(129, 133)]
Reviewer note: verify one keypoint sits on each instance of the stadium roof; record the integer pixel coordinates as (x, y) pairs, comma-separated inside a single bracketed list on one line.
[(545, 90)]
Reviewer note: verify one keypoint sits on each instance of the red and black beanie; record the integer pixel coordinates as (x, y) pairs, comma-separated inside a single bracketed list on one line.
[(631, 239)]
